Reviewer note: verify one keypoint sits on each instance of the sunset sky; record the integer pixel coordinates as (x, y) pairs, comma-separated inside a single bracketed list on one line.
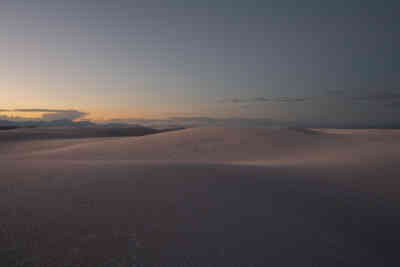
[(306, 61)]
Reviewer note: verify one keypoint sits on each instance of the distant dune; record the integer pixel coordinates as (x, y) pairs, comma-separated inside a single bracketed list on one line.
[(5, 128), (13, 133), (200, 196)]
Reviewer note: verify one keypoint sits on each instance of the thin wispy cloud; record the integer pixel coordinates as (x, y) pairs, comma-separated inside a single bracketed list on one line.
[(43, 110), (264, 100), (245, 100), (351, 96), (48, 114), (290, 99), (381, 97), (378, 96)]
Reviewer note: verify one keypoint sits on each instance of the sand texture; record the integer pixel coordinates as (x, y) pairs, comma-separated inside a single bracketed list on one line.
[(202, 197)]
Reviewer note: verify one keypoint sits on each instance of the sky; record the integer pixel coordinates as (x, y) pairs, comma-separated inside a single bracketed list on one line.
[(312, 62)]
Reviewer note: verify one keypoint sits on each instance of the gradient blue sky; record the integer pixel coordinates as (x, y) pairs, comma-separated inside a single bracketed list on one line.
[(306, 61)]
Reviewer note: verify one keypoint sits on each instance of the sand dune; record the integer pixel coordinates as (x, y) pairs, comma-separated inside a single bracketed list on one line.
[(203, 197), (228, 145), (72, 132)]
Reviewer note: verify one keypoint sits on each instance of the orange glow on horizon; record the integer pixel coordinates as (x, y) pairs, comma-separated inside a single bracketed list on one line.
[(96, 115), (14, 114)]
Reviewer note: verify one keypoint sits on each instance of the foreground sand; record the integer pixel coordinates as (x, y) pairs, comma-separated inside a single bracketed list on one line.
[(203, 197)]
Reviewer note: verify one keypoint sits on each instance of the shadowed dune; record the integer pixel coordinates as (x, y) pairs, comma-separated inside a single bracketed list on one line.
[(68, 132), (203, 197)]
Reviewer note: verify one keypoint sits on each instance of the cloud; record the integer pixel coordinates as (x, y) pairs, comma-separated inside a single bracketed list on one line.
[(366, 94), (43, 110), (378, 96), (17, 118), (245, 100), (290, 99), (64, 115), (49, 114), (263, 100), (386, 98), (383, 97)]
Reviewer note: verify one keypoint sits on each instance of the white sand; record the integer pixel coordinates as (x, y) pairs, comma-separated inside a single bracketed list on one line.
[(222, 145), (274, 197)]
